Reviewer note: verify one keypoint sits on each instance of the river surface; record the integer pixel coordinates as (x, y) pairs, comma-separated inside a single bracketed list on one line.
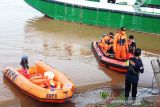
[(63, 45)]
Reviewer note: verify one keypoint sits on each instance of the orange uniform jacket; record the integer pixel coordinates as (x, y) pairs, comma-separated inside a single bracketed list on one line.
[(120, 49), (103, 44)]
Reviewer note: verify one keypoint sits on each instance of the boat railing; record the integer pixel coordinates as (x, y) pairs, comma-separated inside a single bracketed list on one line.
[(150, 10)]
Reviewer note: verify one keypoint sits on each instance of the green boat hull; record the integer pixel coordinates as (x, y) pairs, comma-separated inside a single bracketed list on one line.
[(98, 17), (152, 2)]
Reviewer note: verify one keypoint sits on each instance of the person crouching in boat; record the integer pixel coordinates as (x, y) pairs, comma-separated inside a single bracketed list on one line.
[(120, 45), (106, 43), (25, 66), (132, 76)]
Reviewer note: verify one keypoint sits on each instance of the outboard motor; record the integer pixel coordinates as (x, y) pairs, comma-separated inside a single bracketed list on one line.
[(24, 62)]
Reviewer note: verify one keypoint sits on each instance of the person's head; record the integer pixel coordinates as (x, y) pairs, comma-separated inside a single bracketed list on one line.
[(123, 30), (137, 52), (111, 35), (131, 37), (104, 34), (49, 75)]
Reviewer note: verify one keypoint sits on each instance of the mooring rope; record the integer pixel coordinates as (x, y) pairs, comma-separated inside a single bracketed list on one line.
[(151, 87)]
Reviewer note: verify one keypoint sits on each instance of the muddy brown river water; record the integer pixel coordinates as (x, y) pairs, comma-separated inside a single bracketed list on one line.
[(63, 45)]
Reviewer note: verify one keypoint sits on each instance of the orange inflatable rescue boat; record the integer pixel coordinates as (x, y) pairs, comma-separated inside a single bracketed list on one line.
[(56, 88), (111, 62)]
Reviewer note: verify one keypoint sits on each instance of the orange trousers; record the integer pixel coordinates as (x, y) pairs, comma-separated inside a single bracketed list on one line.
[(120, 52)]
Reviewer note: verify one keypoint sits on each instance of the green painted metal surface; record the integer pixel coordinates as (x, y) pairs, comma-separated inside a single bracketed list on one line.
[(94, 0), (153, 2), (96, 17)]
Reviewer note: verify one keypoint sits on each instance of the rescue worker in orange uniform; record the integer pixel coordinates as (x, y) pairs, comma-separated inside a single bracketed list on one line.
[(107, 42), (120, 45)]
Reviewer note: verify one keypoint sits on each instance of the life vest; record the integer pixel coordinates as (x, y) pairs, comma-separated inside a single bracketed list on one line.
[(109, 42), (52, 85), (24, 72), (121, 41)]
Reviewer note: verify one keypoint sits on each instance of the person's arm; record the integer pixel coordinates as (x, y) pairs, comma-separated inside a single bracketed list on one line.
[(134, 49), (139, 66), (141, 69), (126, 44), (104, 39), (134, 46)]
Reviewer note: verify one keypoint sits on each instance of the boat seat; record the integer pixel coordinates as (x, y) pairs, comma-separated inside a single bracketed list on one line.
[(38, 81), (43, 82)]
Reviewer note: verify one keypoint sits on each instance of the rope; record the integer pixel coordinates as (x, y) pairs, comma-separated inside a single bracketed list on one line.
[(152, 81), (151, 87)]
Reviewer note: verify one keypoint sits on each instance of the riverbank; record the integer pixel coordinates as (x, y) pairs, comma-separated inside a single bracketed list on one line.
[(151, 101), (114, 97), (147, 96)]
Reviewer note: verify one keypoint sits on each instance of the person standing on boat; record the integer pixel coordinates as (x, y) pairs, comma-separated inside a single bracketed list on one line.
[(132, 76), (120, 45), (107, 42), (131, 44)]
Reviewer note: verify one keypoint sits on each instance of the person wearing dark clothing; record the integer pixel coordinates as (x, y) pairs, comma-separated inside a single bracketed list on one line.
[(24, 62), (25, 66), (132, 76), (110, 50), (131, 44)]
